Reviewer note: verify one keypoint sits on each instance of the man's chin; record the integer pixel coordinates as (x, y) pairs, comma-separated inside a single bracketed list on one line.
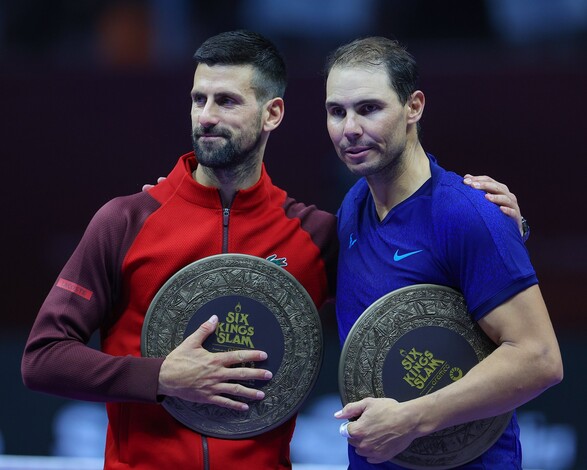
[(211, 155), (212, 145), (359, 169), (214, 164)]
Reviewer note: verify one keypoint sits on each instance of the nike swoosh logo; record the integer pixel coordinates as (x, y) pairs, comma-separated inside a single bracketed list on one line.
[(398, 257), (352, 241)]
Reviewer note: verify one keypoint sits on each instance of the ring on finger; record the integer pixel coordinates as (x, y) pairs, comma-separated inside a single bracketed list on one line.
[(344, 431)]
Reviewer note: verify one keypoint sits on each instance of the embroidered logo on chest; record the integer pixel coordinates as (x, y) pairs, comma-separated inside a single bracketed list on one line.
[(398, 257), (278, 261)]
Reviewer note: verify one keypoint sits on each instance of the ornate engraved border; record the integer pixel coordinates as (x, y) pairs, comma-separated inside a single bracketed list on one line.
[(276, 289), (366, 348)]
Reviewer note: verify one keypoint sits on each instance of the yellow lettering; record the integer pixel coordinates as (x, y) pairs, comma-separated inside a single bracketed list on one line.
[(407, 364), (420, 367)]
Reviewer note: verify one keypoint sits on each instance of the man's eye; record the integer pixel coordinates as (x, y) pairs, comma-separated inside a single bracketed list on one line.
[(199, 100), (337, 112), (369, 108), (226, 101)]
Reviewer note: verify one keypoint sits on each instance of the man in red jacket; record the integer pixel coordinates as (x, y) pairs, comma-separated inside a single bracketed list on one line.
[(217, 199)]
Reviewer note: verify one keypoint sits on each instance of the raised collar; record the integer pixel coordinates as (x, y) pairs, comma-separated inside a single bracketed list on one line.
[(184, 185)]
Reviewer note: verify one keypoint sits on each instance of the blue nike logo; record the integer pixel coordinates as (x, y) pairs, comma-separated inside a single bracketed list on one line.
[(352, 241), (398, 257)]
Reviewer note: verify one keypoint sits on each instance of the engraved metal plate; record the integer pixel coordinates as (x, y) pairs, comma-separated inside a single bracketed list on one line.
[(409, 343), (260, 306)]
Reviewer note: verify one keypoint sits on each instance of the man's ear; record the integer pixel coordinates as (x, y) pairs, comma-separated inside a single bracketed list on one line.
[(416, 104), (273, 114)]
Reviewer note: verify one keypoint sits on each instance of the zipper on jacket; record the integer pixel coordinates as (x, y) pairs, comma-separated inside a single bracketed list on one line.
[(206, 452), (225, 217)]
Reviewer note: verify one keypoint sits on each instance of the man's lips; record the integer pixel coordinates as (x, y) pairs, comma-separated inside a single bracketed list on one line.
[(210, 137), (201, 133), (356, 151)]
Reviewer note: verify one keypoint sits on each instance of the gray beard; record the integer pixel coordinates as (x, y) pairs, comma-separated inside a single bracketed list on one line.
[(230, 156)]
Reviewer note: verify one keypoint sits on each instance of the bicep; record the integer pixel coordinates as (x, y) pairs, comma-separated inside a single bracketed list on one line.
[(522, 321)]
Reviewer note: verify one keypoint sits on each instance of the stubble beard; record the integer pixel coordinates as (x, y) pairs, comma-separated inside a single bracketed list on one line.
[(387, 165), (235, 156)]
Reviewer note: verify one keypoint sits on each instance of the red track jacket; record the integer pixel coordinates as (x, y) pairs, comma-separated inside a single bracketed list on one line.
[(132, 246)]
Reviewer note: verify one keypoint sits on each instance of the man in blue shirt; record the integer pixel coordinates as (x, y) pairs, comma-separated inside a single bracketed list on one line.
[(408, 221)]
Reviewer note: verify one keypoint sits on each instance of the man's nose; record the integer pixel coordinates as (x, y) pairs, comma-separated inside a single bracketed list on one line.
[(352, 128), (208, 115)]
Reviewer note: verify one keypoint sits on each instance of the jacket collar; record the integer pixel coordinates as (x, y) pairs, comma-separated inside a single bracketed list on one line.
[(189, 189)]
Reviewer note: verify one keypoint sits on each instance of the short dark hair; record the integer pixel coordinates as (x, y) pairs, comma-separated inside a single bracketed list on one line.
[(377, 51), (244, 47)]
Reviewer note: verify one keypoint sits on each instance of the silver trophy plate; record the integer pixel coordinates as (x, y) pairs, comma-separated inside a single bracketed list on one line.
[(260, 306), (409, 343)]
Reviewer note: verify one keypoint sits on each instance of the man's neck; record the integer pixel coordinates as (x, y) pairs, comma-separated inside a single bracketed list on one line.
[(228, 181), (404, 179)]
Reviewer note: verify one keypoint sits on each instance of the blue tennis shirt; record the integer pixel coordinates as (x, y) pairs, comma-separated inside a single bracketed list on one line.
[(446, 233)]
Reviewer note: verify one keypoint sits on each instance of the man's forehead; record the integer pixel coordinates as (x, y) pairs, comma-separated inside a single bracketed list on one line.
[(352, 83), (347, 74), (217, 77)]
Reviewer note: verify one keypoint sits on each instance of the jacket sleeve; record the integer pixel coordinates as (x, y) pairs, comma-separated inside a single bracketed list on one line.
[(57, 358)]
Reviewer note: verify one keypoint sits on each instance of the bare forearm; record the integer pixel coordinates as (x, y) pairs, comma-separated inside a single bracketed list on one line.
[(526, 362), (506, 379)]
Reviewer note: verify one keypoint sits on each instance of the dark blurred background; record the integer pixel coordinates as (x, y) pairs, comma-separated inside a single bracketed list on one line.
[(95, 102)]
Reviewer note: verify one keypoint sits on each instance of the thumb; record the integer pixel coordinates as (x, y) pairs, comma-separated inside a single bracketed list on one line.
[(351, 410), (206, 329)]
